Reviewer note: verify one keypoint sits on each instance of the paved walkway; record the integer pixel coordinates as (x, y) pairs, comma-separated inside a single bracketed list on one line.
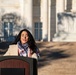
[(56, 58)]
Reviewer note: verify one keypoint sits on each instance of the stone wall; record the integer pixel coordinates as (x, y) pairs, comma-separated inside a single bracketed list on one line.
[(66, 27)]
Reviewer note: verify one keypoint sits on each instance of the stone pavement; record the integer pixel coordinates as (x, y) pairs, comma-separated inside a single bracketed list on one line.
[(57, 58)]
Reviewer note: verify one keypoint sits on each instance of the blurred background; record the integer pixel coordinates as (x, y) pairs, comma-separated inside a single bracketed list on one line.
[(52, 24)]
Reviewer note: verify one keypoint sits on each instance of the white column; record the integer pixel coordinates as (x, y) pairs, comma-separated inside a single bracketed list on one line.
[(65, 4), (49, 20), (22, 7), (28, 14), (73, 6), (60, 6), (44, 18)]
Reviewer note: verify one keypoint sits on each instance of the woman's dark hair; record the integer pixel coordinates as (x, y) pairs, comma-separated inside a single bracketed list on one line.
[(31, 42)]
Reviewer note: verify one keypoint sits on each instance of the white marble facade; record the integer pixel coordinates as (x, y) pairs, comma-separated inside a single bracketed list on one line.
[(66, 22), (57, 18), (21, 12)]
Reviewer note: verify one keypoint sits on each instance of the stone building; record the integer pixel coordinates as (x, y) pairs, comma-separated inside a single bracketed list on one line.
[(47, 20)]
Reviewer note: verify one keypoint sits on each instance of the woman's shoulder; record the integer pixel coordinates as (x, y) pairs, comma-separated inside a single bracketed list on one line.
[(13, 45), (12, 50)]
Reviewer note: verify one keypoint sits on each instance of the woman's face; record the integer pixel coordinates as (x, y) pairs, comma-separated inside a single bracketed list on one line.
[(24, 37)]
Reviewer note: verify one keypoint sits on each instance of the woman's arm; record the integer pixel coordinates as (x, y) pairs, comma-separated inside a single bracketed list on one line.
[(34, 55)]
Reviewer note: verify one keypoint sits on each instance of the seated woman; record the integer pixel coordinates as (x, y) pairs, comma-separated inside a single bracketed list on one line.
[(24, 45)]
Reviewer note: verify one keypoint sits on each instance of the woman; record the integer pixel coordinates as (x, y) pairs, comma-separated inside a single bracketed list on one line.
[(26, 45)]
